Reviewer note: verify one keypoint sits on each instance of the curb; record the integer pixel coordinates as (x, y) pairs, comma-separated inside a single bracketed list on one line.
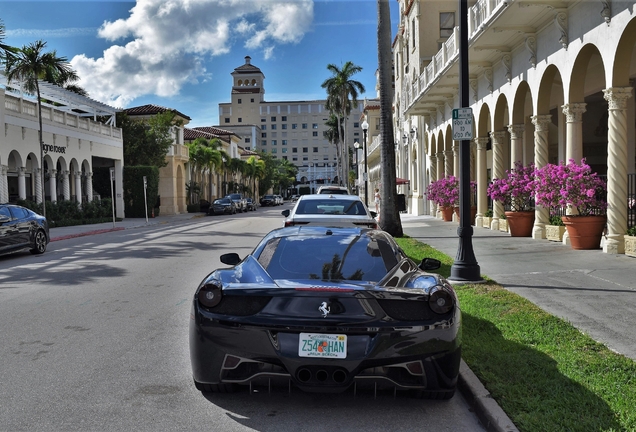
[(87, 233), (490, 414)]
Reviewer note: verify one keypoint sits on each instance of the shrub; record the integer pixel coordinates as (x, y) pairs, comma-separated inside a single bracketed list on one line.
[(516, 189)]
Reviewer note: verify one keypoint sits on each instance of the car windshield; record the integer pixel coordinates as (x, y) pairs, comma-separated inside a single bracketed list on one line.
[(330, 207), (268, 197), (235, 196), (222, 201), (328, 257)]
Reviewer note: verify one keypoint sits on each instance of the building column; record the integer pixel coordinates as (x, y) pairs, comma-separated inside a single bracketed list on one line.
[(66, 190), (448, 163), (516, 143), (482, 180), (616, 168), (441, 164), (78, 188), (498, 172), (574, 131), (21, 183), (4, 184), (456, 159), (433, 177), (36, 174), (541, 214), (89, 186), (53, 184)]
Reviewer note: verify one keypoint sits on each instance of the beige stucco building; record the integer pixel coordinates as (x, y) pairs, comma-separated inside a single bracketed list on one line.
[(549, 81), (291, 130), (74, 144)]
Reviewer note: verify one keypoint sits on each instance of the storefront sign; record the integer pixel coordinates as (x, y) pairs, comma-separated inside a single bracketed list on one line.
[(53, 148)]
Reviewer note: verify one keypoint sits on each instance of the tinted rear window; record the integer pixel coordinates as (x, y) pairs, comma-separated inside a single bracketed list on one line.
[(328, 257), (330, 206), (334, 192)]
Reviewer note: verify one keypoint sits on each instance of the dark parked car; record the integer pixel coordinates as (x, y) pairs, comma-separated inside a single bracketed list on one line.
[(251, 205), (222, 206), (325, 309), (21, 228), (268, 200), (204, 205)]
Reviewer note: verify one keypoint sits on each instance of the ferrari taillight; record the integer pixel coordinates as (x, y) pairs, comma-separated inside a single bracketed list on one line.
[(210, 294)]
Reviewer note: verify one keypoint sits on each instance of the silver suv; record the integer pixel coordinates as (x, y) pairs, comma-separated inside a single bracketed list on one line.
[(239, 201)]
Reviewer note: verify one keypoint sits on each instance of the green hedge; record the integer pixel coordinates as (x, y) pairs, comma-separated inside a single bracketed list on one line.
[(134, 190), (68, 213)]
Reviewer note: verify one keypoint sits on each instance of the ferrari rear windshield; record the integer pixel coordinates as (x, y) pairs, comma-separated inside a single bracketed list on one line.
[(328, 258)]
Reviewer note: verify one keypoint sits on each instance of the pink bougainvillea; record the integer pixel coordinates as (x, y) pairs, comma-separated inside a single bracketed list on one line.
[(571, 185), (445, 192), (516, 189)]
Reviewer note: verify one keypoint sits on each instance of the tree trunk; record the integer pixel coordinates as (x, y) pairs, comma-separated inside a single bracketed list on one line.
[(389, 215)]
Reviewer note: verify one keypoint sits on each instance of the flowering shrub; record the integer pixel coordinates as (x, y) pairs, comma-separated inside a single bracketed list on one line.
[(516, 189), (445, 192), (570, 185)]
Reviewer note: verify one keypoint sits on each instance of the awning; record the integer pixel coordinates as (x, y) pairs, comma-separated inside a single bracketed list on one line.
[(401, 181)]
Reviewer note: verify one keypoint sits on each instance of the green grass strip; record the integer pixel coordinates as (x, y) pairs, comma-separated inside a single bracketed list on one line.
[(544, 373)]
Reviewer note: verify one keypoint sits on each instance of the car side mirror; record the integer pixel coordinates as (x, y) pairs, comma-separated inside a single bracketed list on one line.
[(230, 258), (373, 214), (285, 213), (430, 264)]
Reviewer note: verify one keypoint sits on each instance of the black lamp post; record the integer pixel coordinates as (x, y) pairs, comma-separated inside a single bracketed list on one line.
[(365, 128)]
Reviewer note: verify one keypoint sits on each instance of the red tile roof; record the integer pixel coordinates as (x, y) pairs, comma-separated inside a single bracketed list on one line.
[(151, 109)]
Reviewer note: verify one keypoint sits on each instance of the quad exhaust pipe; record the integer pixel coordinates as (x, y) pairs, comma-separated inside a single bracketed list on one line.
[(305, 375)]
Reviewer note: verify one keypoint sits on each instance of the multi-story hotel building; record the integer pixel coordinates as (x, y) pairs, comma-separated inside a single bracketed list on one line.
[(291, 130), (549, 81)]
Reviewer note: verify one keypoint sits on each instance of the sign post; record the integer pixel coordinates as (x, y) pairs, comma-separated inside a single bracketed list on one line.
[(112, 194), (146, 198)]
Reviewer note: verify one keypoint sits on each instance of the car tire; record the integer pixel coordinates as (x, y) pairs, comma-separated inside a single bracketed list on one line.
[(215, 388), (39, 243)]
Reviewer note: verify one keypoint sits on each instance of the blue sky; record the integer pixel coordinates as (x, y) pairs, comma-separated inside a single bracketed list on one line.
[(180, 53)]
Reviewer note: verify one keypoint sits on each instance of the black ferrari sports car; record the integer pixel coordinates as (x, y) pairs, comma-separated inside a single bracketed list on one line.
[(326, 309)]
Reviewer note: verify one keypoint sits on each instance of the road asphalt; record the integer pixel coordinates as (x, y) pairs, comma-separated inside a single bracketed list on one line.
[(594, 291)]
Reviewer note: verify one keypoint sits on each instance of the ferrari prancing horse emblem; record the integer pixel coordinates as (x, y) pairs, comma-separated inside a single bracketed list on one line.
[(324, 309)]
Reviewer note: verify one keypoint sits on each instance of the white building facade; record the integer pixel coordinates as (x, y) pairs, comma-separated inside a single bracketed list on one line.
[(549, 81), (74, 143)]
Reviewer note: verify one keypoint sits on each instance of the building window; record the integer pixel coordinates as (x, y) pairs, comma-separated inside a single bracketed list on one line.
[(314, 126), (325, 158), (273, 118), (305, 158), (273, 127), (314, 133), (274, 151), (240, 120), (247, 140), (315, 149), (294, 126), (284, 150), (304, 125), (413, 32), (264, 142), (285, 157), (274, 142), (305, 149), (283, 126), (356, 134), (284, 142), (294, 150), (227, 119), (264, 127), (240, 101), (263, 119), (264, 135), (356, 124), (252, 100), (294, 158), (446, 24), (283, 118)]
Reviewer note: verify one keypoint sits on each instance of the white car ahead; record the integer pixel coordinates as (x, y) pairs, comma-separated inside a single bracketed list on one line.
[(330, 211)]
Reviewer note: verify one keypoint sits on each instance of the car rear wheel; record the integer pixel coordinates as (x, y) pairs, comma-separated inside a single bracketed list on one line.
[(39, 243), (215, 388)]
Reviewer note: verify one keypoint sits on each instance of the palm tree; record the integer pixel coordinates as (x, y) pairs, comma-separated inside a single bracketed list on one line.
[(6, 51), (339, 88), (30, 64), (257, 172), (389, 215), (332, 135)]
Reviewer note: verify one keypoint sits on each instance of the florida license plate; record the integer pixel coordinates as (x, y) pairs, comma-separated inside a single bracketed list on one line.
[(322, 345)]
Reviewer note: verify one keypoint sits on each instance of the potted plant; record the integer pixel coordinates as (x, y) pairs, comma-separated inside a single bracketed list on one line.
[(555, 230), (630, 242), (445, 193), (503, 223), (516, 191), (575, 187), (487, 219), (473, 208)]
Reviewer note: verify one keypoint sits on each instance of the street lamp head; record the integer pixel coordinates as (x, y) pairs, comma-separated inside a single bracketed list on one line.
[(356, 145), (413, 132), (405, 139), (365, 126)]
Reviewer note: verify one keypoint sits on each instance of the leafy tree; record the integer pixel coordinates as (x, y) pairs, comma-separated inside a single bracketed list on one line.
[(332, 134), (30, 64), (146, 142), (389, 215), (339, 88), (205, 157)]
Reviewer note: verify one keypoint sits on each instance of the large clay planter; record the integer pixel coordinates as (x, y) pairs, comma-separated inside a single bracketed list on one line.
[(520, 223), (630, 245), (447, 214), (585, 231), (473, 213), (554, 232)]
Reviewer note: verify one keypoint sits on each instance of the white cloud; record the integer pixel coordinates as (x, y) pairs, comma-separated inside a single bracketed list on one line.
[(165, 43)]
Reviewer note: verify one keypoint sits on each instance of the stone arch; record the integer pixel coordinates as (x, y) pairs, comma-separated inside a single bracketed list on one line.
[(240, 83), (501, 120), (483, 123), (521, 128), (414, 177), (625, 57), (62, 178), (549, 144)]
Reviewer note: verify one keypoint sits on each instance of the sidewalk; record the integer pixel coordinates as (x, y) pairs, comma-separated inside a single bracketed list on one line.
[(594, 291)]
